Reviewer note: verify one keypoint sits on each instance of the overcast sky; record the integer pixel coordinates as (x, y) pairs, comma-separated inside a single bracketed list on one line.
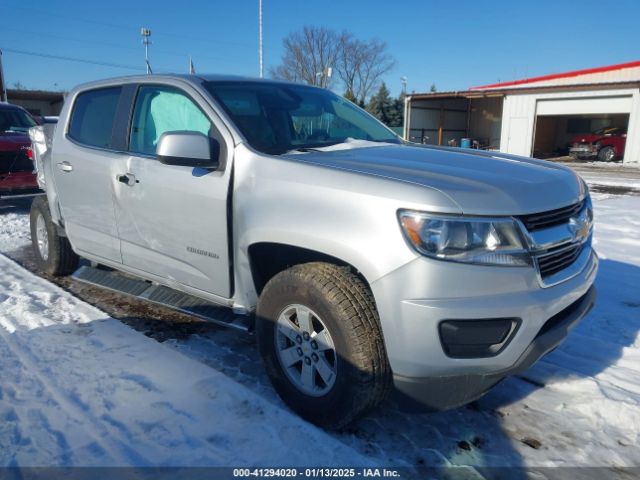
[(453, 45)]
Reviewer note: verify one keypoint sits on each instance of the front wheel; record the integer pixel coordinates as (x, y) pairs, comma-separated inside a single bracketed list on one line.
[(606, 154), (52, 251), (319, 335)]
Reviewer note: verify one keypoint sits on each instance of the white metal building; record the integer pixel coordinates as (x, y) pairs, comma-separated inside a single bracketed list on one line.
[(533, 117)]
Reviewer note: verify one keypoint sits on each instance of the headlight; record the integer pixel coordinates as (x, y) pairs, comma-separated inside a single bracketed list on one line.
[(485, 241)]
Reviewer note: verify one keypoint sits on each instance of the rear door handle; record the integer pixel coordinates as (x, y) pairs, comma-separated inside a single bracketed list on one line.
[(127, 178), (65, 166)]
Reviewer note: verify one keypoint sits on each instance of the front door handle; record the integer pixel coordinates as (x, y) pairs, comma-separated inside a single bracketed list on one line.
[(127, 178), (65, 166)]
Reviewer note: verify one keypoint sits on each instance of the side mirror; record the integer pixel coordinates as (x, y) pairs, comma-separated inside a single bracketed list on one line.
[(188, 149)]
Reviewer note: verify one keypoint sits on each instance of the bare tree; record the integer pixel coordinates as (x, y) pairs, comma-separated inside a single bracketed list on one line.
[(359, 64), (308, 54), (350, 61), (362, 64)]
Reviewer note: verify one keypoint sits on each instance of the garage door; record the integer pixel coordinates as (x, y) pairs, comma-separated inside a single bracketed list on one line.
[(584, 106)]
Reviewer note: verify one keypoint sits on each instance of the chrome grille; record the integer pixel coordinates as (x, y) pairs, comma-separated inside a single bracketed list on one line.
[(558, 259), (551, 218), (560, 241)]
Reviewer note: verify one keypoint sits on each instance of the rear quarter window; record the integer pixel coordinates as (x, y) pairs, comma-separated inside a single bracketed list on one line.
[(92, 117)]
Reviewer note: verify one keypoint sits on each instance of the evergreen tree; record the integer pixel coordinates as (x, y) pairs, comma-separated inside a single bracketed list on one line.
[(397, 112), (381, 105), (350, 96)]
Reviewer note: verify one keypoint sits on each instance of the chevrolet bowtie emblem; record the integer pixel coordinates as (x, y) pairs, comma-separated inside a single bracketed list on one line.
[(579, 226)]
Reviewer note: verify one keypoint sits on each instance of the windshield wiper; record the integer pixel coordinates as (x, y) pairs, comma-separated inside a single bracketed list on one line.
[(323, 147), (306, 150)]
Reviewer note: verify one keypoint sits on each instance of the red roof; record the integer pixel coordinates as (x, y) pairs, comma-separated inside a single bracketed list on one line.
[(553, 76)]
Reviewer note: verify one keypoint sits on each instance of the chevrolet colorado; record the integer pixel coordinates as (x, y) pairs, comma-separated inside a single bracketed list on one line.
[(364, 264)]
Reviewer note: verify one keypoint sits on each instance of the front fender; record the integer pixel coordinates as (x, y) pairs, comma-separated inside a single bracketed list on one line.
[(351, 217)]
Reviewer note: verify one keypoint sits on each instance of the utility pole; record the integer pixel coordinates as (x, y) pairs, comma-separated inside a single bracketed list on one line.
[(260, 35), (146, 33), (404, 85), (3, 88)]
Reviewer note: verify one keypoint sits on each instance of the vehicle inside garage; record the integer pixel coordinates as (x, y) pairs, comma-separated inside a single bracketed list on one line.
[(589, 114), (557, 135)]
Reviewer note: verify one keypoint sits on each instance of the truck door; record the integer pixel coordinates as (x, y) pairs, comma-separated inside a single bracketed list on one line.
[(172, 219), (85, 163)]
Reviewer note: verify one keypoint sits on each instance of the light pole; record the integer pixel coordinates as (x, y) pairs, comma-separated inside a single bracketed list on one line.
[(260, 37), (3, 89), (146, 33)]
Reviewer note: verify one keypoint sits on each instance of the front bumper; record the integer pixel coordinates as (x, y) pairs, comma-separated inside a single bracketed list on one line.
[(440, 393), (432, 292), (583, 151)]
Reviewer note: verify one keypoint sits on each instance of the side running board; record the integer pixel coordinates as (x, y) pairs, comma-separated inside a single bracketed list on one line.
[(161, 295)]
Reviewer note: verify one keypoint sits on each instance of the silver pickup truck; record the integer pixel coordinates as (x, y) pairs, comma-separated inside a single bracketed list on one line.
[(364, 264)]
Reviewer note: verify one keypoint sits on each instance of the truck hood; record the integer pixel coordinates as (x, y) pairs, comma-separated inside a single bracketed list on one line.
[(480, 183), (588, 138)]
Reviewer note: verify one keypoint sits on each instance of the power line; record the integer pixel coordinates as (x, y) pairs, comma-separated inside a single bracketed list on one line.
[(126, 27), (49, 14), (41, 12), (108, 44), (79, 40), (72, 59)]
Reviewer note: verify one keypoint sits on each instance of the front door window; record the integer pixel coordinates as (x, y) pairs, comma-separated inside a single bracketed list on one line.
[(162, 109)]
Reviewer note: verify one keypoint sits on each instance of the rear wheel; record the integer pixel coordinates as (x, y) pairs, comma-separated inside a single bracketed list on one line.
[(607, 154), (319, 336), (53, 252)]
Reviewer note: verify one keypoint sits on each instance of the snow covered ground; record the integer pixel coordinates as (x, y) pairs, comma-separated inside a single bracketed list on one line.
[(78, 387), (608, 179)]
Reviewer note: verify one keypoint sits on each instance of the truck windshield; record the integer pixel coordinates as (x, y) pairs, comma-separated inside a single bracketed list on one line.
[(13, 120), (276, 118)]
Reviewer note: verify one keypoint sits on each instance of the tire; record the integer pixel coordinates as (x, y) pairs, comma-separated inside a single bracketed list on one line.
[(606, 154), (340, 302), (53, 253)]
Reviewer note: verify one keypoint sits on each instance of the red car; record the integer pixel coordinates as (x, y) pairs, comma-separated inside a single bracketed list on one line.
[(606, 144), (16, 156)]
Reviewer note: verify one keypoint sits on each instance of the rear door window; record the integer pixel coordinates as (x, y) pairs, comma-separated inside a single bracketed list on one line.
[(93, 115), (161, 109)]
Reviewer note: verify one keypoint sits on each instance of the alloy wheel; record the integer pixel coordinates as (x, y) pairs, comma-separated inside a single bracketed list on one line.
[(42, 237), (306, 350)]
